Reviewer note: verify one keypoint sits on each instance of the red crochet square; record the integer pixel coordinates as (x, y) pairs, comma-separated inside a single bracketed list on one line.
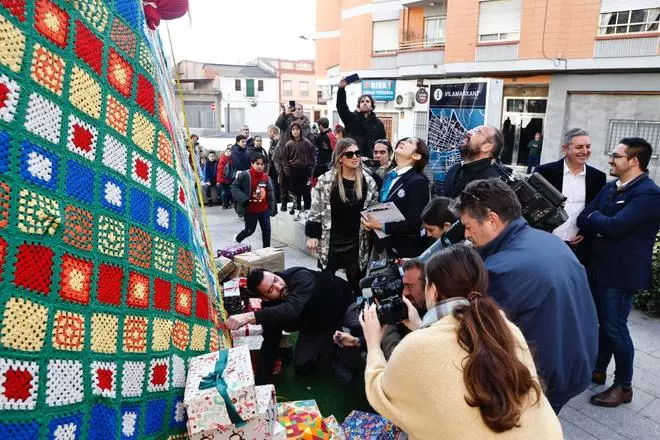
[(16, 7), (139, 247), (34, 267), (76, 279), (51, 22), (162, 294), (88, 47), (202, 305), (183, 300), (138, 290), (146, 95), (3, 256), (120, 73), (184, 264), (109, 285)]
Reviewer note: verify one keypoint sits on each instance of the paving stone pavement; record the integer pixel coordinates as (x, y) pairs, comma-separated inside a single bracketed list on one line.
[(639, 420)]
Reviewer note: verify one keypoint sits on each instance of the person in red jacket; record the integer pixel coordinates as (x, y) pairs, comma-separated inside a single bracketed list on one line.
[(225, 176)]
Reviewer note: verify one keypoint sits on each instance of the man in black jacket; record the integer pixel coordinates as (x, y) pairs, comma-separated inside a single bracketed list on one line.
[(273, 133), (300, 300), (361, 124), (240, 154), (480, 149)]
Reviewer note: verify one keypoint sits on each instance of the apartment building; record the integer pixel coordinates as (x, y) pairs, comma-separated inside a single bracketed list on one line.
[(594, 64), (220, 98)]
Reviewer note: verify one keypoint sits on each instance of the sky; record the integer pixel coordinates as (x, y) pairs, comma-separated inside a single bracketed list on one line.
[(237, 31)]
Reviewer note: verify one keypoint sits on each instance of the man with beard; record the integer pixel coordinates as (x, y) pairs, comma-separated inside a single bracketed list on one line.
[(300, 300), (480, 149), (361, 124)]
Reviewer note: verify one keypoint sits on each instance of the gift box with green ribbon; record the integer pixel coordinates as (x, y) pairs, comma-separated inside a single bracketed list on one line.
[(220, 393)]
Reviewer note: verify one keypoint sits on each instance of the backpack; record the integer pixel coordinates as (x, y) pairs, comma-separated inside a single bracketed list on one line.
[(229, 173)]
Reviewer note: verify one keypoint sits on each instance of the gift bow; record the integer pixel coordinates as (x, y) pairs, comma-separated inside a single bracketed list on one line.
[(215, 380)]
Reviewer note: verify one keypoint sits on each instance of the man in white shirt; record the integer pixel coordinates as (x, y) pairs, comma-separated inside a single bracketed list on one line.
[(579, 182)]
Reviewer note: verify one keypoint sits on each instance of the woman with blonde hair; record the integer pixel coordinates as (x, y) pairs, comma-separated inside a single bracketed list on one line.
[(465, 372), (333, 223)]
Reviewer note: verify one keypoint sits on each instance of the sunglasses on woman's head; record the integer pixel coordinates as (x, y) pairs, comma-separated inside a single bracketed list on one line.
[(351, 154)]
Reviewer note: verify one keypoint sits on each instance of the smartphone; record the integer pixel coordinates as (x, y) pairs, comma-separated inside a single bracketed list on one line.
[(350, 79), (292, 104)]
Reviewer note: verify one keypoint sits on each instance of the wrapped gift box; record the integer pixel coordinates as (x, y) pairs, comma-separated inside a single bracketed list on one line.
[(206, 407), (279, 433), (254, 304), (249, 260), (225, 267), (231, 295), (233, 250), (298, 406), (303, 425), (248, 330), (334, 428), (253, 343), (366, 426), (272, 258)]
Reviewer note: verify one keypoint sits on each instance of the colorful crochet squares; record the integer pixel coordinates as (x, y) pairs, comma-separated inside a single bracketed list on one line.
[(39, 165), (78, 228), (19, 382), (184, 265), (103, 422), (64, 384), (37, 214), (15, 7), (43, 118), (183, 299), (139, 250), (85, 93), (81, 138), (162, 294), (161, 334), (68, 331), (158, 375), (143, 132), (154, 416), (109, 286), (113, 194), (24, 325), (163, 216), (95, 12), (104, 378), (135, 334), (68, 427), (104, 333), (130, 422), (138, 291), (88, 47), (111, 240), (120, 73), (132, 378), (13, 45), (117, 116), (47, 69), (124, 38), (115, 154), (52, 22), (34, 268), (164, 255), (9, 93)]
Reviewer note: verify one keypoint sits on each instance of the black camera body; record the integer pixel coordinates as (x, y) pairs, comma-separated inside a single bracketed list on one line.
[(387, 286)]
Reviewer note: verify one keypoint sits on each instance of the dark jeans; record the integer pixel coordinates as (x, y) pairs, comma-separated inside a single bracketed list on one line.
[(533, 161), (299, 187), (251, 226), (209, 187), (225, 189), (353, 275), (613, 307), (284, 190)]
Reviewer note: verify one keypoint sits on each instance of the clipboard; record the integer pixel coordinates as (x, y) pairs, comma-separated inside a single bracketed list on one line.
[(385, 213)]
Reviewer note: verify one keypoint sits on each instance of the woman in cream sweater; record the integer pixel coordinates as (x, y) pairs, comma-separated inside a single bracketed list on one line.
[(465, 372)]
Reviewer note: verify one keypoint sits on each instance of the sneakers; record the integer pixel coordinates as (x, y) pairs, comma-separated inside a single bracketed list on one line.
[(236, 239)]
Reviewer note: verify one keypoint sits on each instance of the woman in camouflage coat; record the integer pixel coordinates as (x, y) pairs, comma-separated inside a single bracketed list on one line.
[(333, 222)]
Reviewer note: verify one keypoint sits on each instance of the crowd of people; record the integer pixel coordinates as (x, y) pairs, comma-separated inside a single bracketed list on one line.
[(502, 329)]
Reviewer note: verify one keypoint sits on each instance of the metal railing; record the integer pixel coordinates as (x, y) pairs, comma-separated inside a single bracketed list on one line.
[(420, 44)]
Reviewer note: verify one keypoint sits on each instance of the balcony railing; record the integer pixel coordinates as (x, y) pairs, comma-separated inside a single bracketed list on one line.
[(420, 44)]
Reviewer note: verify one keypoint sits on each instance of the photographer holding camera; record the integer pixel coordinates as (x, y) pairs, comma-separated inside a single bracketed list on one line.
[(538, 282), (465, 371)]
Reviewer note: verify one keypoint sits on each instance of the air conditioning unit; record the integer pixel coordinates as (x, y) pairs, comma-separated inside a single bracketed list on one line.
[(404, 100)]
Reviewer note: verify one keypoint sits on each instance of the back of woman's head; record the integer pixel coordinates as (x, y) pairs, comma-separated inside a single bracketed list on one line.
[(497, 381)]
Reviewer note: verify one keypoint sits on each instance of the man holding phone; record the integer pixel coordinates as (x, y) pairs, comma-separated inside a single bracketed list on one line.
[(361, 124)]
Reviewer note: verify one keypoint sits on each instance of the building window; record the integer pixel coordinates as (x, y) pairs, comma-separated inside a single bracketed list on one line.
[(260, 85), (385, 36), (199, 114), (619, 129), (304, 88), (237, 85), (249, 88), (434, 30), (499, 20), (287, 88), (629, 22), (420, 124)]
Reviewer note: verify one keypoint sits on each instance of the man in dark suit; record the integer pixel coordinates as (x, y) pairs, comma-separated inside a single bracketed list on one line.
[(579, 182), (482, 145), (624, 219), (408, 188)]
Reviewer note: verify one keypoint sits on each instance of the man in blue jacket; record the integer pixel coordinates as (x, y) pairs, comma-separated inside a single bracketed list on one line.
[(538, 282), (624, 218)]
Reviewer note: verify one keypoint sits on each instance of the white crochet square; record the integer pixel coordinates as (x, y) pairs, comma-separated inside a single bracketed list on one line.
[(64, 384), (115, 154), (165, 183), (132, 379), (43, 118), (178, 372)]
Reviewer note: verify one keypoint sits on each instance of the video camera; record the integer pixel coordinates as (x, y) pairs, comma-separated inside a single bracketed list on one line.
[(385, 282), (542, 205)]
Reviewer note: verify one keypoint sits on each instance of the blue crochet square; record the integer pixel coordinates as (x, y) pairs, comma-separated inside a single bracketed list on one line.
[(129, 9), (65, 427), (113, 194), (179, 415), (19, 431), (102, 423), (163, 217), (5, 145), (39, 165), (182, 227), (155, 416), (80, 182), (140, 207), (130, 422)]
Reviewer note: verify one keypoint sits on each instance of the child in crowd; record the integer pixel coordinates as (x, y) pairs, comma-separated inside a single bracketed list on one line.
[(225, 176), (210, 177)]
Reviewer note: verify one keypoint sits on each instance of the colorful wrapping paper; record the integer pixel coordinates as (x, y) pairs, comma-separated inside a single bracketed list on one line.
[(207, 410), (302, 420), (334, 428), (233, 250), (366, 426)]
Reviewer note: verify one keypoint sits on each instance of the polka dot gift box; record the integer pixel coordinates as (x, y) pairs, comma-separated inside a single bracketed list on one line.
[(106, 289)]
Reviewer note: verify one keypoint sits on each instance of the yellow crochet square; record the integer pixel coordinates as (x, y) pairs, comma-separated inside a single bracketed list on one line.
[(104, 333), (68, 331), (161, 334), (135, 334), (85, 92), (12, 45), (116, 115), (143, 132), (146, 59), (198, 339), (111, 236), (164, 149), (95, 12), (48, 69), (163, 255), (24, 325), (38, 214)]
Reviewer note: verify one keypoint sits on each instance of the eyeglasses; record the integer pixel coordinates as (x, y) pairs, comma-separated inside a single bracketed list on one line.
[(352, 154), (616, 156), (453, 206), (469, 194)]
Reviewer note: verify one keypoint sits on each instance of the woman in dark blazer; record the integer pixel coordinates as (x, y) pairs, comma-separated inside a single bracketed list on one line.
[(408, 188)]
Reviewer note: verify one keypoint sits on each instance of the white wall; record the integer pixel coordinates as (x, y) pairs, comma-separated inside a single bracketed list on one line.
[(258, 117)]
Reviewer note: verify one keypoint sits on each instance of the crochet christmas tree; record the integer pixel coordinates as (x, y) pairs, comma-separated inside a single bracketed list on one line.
[(105, 285)]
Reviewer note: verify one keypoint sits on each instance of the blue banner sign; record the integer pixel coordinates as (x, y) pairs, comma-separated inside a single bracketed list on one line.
[(380, 89)]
